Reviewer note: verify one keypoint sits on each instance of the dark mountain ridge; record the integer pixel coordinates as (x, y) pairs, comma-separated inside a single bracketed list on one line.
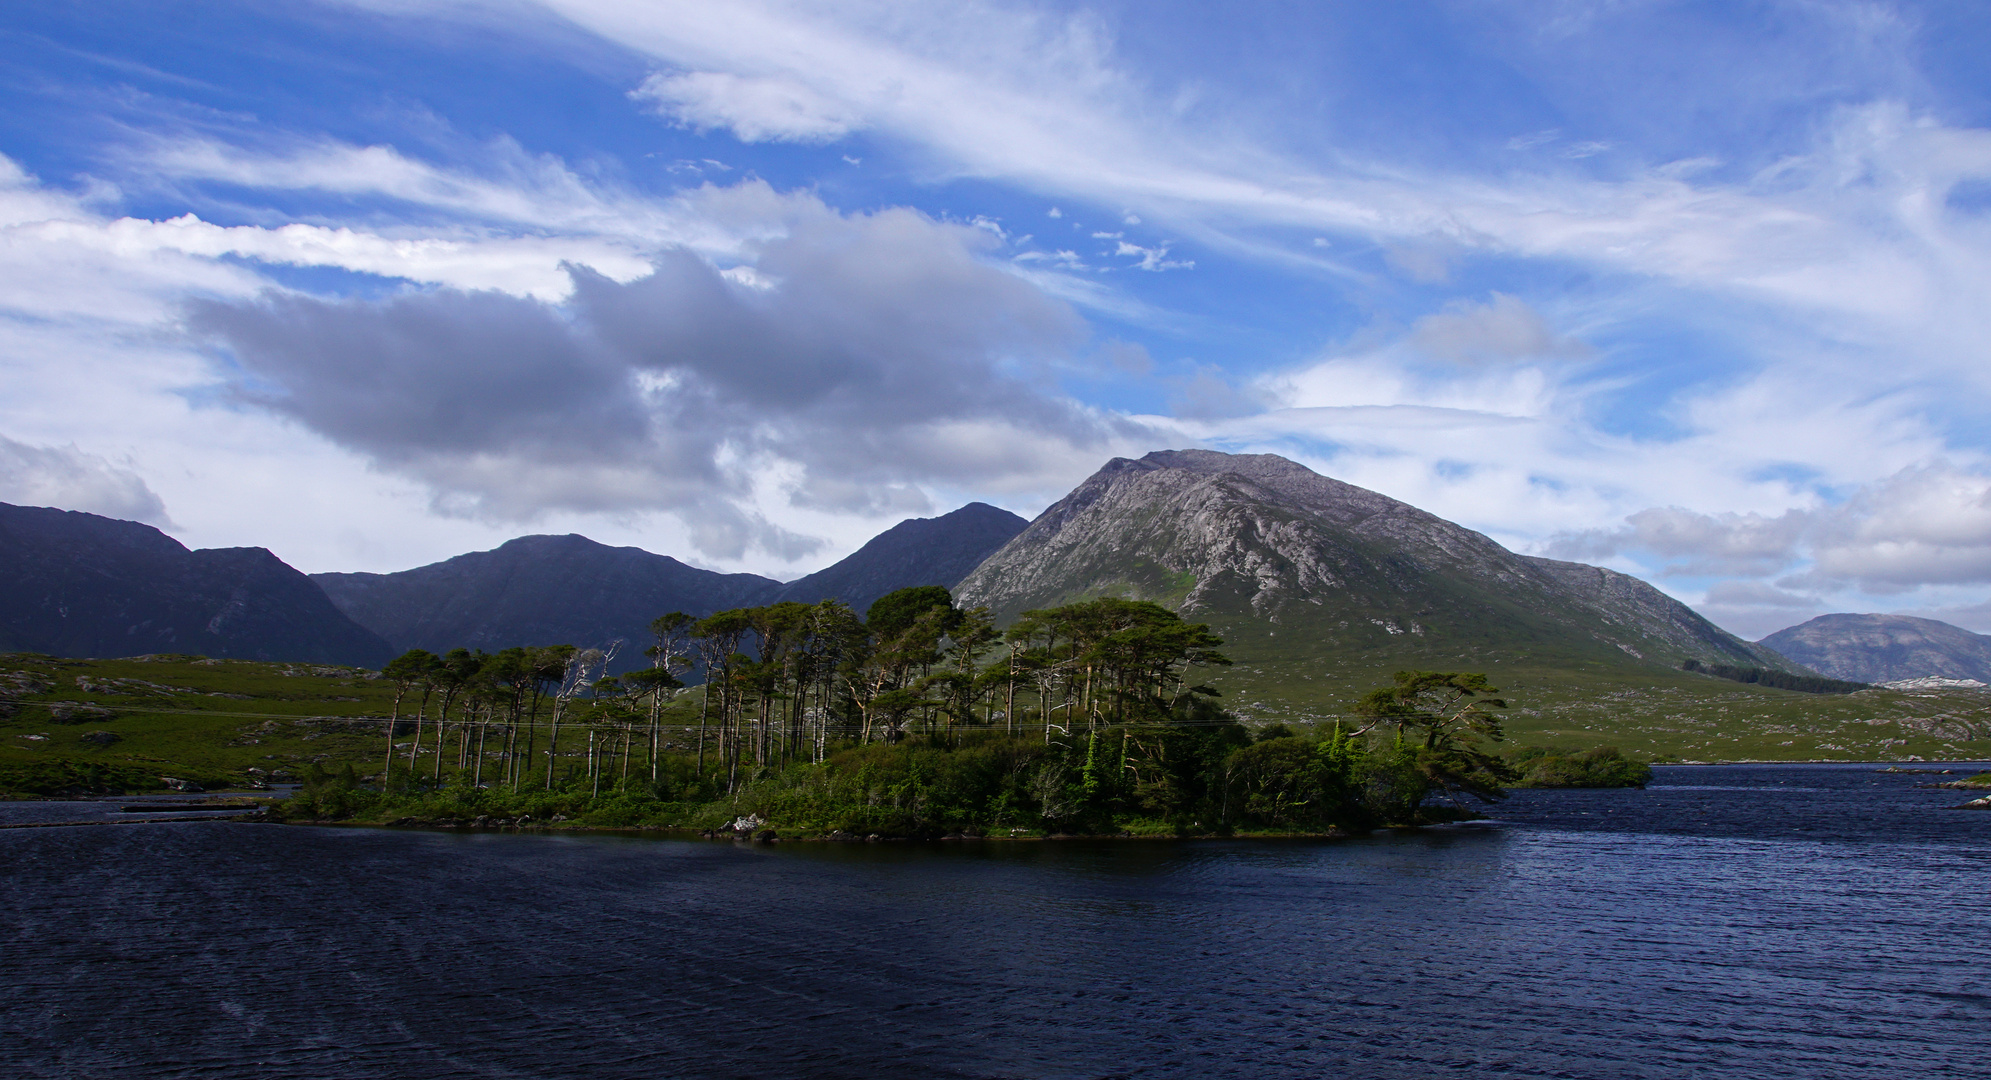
[(537, 590), (1885, 648), (76, 584), (920, 551), (550, 589)]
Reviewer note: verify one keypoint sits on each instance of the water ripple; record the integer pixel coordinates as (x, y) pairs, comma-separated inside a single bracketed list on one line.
[(1667, 933)]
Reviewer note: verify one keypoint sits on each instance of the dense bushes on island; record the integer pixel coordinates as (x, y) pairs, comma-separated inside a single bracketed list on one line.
[(1084, 721), (920, 719), (1204, 774), (1598, 767)]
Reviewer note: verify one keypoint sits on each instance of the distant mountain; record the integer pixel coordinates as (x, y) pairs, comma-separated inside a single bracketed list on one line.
[(1885, 648), (922, 551), (74, 584), (1305, 574), (542, 590), (537, 590)]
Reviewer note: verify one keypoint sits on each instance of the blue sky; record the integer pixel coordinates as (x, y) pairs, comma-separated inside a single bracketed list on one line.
[(1694, 290)]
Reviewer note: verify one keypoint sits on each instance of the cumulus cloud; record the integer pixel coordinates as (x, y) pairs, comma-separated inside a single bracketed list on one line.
[(1926, 525), (867, 354), (69, 479), (768, 109), (1930, 524)]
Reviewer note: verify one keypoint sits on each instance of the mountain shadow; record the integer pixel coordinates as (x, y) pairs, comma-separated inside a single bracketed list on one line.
[(76, 584), (540, 590)]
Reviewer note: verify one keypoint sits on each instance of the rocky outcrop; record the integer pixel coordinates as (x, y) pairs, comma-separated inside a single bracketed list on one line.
[(1885, 648)]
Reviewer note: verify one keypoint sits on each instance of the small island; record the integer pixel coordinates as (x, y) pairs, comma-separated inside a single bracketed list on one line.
[(1100, 734), (1598, 767)]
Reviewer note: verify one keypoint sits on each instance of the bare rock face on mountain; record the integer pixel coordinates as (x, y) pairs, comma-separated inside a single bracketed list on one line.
[(74, 584), (1292, 565), (538, 590), (1885, 648), (921, 551)]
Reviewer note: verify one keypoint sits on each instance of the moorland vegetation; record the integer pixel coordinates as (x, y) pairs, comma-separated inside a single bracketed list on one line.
[(916, 717)]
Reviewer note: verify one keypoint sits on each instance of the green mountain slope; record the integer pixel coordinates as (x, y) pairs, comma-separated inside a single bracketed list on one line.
[(1322, 587)]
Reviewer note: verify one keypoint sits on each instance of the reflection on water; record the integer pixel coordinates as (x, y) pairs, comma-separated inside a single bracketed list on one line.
[(1754, 922)]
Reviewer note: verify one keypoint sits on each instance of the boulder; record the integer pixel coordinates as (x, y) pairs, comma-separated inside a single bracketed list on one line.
[(99, 738), (70, 712)]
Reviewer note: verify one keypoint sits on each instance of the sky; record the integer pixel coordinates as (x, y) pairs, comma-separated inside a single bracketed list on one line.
[(1697, 291)]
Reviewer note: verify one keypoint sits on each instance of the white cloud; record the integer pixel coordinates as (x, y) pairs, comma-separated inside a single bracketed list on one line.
[(1703, 544), (1928, 524), (522, 266), (1152, 258), (69, 479), (777, 109)]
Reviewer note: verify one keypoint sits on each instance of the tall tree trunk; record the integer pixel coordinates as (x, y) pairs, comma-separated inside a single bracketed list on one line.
[(1009, 704), (415, 748), (704, 706), (393, 719), (483, 733), (656, 699)]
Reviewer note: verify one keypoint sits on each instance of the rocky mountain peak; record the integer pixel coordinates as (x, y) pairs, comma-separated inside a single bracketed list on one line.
[(1885, 648), (1259, 537)]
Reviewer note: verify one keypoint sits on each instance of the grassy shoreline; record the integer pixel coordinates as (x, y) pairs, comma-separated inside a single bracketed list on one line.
[(87, 728)]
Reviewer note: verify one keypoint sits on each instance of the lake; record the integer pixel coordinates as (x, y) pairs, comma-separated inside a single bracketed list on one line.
[(1731, 921)]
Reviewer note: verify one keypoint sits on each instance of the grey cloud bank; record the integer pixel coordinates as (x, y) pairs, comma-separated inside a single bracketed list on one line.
[(860, 356)]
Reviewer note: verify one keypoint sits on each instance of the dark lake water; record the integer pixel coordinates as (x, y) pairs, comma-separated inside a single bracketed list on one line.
[(1745, 921)]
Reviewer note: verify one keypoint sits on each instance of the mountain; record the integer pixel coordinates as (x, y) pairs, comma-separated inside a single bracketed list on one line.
[(922, 551), (1306, 575), (74, 584), (537, 590), (1885, 648), (540, 590)]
